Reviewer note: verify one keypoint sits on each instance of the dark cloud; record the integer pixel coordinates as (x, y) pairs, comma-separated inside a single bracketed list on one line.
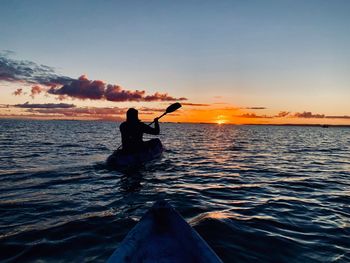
[(162, 97), (338, 117), (18, 92), (195, 104), (45, 79), (308, 114), (28, 72), (253, 116), (45, 105), (282, 114), (255, 108), (116, 93), (83, 88)]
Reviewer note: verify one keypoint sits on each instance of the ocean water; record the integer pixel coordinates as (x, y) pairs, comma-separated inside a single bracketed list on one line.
[(254, 193)]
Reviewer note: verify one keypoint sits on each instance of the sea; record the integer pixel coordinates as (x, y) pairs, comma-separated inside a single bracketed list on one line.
[(254, 193)]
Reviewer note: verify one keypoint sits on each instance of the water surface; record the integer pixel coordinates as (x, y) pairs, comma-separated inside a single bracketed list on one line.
[(254, 193)]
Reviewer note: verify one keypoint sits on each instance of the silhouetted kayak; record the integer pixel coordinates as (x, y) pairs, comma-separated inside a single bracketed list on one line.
[(162, 235), (153, 149)]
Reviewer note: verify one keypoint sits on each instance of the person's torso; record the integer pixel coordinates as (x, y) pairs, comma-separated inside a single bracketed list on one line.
[(132, 133)]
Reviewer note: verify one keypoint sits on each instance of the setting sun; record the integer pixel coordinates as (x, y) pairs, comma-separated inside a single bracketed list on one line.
[(221, 119)]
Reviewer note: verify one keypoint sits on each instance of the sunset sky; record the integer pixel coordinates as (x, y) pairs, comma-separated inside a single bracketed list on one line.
[(237, 62)]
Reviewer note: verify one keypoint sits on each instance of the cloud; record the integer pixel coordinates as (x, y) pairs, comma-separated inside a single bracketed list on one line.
[(105, 113), (255, 108), (83, 88), (308, 114), (35, 90), (153, 110), (45, 79), (195, 104), (116, 93), (18, 92), (70, 110), (253, 116), (282, 114), (28, 72), (162, 97), (338, 117), (44, 105)]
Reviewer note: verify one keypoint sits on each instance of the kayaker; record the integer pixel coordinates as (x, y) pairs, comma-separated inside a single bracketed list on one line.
[(132, 131)]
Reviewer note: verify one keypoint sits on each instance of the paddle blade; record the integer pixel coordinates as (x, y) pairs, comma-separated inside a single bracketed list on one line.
[(173, 107)]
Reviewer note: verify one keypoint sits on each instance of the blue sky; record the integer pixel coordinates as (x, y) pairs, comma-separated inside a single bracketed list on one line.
[(284, 55)]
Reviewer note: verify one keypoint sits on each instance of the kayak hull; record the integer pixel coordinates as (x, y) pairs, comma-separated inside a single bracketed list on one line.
[(153, 151), (163, 236)]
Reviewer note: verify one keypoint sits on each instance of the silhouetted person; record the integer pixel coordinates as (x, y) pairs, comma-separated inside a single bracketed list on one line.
[(133, 129)]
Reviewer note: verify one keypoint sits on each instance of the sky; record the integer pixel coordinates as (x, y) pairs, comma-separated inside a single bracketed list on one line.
[(273, 61)]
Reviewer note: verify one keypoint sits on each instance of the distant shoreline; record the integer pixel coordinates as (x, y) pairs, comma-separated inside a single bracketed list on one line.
[(205, 123)]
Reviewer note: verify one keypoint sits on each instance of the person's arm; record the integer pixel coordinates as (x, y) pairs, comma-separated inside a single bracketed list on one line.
[(122, 132), (149, 130)]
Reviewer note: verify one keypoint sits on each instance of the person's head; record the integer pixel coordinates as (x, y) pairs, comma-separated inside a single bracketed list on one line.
[(132, 115)]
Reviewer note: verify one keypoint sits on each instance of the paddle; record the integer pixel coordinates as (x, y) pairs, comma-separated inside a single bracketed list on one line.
[(173, 107)]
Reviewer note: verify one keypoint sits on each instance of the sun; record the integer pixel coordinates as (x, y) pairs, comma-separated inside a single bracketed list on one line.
[(220, 119), (220, 122)]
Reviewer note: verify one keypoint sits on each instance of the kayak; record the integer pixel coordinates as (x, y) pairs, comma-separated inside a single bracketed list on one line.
[(163, 236), (153, 149)]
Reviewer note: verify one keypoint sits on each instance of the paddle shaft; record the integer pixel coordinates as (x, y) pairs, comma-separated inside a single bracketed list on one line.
[(158, 118)]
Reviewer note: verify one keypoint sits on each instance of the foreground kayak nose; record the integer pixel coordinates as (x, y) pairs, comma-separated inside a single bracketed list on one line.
[(163, 236)]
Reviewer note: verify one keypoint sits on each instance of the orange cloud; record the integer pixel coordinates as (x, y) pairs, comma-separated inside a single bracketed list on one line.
[(35, 91)]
